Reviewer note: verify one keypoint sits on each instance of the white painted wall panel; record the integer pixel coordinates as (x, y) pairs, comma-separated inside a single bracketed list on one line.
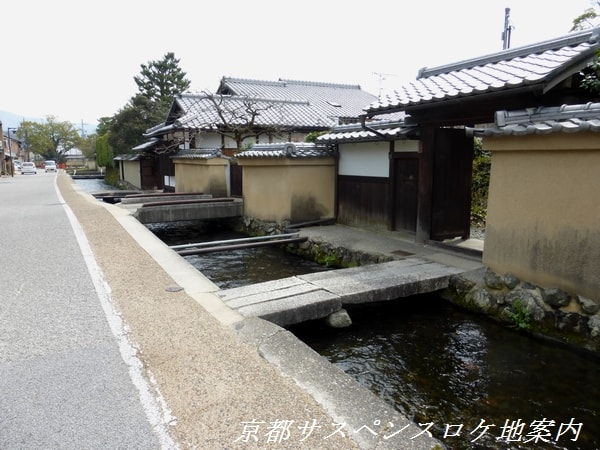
[(366, 159)]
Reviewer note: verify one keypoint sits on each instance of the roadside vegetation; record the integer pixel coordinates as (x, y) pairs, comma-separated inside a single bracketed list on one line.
[(482, 163)]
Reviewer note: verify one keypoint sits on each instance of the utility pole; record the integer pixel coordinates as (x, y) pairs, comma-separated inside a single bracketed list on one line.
[(507, 30)]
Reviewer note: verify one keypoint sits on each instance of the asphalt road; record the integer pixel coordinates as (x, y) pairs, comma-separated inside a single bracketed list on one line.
[(68, 377)]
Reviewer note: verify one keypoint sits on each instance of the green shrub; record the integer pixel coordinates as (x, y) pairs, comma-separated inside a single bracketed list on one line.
[(482, 163), (520, 315)]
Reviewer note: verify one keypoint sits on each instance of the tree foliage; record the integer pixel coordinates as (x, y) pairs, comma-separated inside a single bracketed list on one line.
[(51, 138), (591, 73), (158, 82), (88, 146), (126, 128), (104, 154), (482, 163), (588, 19)]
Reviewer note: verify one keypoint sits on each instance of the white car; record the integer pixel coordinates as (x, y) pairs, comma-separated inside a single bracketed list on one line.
[(28, 167), (50, 166)]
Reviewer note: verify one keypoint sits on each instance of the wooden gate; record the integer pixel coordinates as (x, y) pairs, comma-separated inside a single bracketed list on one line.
[(235, 179), (149, 177), (452, 175), (406, 190)]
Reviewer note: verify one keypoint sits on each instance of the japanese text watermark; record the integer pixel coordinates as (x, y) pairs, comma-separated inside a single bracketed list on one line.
[(537, 431)]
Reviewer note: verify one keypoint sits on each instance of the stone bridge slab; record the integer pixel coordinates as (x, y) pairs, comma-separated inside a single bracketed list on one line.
[(317, 295), (284, 302), (385, 281)]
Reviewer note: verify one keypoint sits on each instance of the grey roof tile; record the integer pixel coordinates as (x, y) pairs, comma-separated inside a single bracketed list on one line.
[(392, 129), (200, 112), (128, 157), (200, 153), (288, 150), (540, 63), (331, 99), (544, 120), (146, 145)]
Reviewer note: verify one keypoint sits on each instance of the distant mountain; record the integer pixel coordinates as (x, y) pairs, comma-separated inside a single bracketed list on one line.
[(11, 120)]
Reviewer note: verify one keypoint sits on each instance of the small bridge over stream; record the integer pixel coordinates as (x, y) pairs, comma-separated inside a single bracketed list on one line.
[(317, 295), (173, 207)]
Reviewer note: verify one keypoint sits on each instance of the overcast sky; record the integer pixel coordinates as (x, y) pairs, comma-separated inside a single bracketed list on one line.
[(76, 59)]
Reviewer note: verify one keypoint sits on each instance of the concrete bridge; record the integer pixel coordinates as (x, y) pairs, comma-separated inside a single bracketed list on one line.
[(317, 295)]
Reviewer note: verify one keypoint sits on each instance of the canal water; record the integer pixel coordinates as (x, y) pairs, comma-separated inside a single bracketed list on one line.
[(233, 268), (438, 364), (479, 384), (93, 185)]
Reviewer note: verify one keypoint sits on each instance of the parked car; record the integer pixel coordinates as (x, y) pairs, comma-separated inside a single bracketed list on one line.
[(17, 165), (50, 166), (28, 167)]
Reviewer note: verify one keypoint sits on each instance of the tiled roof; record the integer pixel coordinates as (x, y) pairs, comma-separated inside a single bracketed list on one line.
[(330, 99), (544, 120), (200, 153), (376, 130), (128, 157), (285, 105), (288, 150), (544, 64), (146, 145), (201, 113)]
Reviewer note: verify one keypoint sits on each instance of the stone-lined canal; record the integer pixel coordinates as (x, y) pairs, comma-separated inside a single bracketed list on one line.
[(436, 363)]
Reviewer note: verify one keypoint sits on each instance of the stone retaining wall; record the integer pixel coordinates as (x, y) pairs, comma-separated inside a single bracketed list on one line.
[(568, 318), (320, 251)]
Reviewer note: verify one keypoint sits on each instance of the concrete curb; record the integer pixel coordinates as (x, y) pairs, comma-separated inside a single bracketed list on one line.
[(339, 394)]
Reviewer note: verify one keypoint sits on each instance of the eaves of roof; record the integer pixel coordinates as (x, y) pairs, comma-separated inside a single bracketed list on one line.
[(375, 131), (128, 157), (158, 130), (541, 65), (288, 150), (543, 120), (200, 153), (146, 145)]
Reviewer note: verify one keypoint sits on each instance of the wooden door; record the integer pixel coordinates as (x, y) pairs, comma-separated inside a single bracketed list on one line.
[(406, 190)]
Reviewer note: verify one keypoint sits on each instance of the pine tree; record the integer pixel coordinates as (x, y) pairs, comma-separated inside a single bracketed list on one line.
[(160, 80)]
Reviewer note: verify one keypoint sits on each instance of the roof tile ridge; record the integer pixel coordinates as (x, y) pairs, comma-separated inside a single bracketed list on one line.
[(251, 81), (320, 84), (563, 112), (256, 98), (591, 36)]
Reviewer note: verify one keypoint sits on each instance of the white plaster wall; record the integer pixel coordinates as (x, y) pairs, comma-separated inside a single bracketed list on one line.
[(208, 140), (366, 159)]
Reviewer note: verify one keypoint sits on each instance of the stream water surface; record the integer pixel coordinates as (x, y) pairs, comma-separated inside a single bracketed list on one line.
[(438, 364)]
